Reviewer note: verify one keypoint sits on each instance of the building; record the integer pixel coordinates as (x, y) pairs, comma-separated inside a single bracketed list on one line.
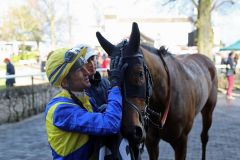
[(171, 32)]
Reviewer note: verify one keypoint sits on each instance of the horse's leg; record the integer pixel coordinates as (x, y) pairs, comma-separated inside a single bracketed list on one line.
[(180, 147), (207, 112), (152, 141)]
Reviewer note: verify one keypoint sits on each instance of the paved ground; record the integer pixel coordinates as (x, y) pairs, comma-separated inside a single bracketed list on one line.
[(27, 140)]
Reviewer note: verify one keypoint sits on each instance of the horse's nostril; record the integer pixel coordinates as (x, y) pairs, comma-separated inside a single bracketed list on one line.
[(138, 132)]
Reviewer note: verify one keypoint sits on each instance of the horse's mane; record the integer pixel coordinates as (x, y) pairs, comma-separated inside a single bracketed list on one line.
[(165, 53), (162, 50)]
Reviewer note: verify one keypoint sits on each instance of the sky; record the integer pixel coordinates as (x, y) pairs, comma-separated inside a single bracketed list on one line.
[(226, 19), (229, 26)]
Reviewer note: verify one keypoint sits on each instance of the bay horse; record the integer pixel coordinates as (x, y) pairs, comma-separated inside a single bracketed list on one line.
[(162, 94)]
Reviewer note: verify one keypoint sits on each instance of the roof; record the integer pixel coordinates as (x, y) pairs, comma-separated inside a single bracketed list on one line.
[(232, 47)]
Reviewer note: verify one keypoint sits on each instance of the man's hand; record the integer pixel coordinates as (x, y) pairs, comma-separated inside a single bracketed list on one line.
[(116, 71)]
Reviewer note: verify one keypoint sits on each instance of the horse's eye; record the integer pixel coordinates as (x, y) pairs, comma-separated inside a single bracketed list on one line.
[(140, 74)]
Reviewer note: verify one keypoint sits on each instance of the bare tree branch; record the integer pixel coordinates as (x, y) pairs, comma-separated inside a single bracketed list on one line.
[(195, 3), (169, 1), (217, 5)]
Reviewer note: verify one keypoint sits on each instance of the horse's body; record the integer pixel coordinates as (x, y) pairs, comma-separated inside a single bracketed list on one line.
[(182, 86), (193, 90)]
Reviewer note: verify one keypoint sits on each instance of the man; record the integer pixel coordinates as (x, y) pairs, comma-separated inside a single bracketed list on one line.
[(71, 120), (10, 70), (99, 86)]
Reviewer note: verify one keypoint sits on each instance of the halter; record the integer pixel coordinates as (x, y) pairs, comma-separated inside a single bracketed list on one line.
[(146, 115), (148, 94), (148, 86)]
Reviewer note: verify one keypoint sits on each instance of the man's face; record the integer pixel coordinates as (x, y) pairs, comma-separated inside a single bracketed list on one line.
[(92, 65), (79, 79)]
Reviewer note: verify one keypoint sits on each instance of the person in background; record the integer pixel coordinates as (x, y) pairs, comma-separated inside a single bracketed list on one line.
[(42, 68), (10, 70), (105, 63), (72, 117), (230, 71)]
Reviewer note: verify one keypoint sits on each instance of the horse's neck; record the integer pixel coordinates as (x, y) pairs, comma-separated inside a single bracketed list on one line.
[(158, 73)]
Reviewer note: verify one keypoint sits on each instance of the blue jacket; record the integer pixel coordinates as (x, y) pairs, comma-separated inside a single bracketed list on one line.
[(69, 127), (10, 71), (99, 90), (231, 66)]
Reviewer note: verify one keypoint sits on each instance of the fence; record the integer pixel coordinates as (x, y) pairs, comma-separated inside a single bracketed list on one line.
[(36, 78), (30, 97), (40, 78)]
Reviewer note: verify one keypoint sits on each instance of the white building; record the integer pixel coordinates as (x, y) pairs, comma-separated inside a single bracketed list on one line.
[(172, 32)]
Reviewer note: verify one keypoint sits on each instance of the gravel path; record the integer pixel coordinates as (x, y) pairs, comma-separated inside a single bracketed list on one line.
[(26, 140)]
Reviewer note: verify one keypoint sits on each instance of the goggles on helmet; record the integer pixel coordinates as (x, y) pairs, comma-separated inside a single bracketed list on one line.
[(71, 54)]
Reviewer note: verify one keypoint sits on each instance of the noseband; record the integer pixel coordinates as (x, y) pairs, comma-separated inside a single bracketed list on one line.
[(148, 93), (148, 85), (145, 116)]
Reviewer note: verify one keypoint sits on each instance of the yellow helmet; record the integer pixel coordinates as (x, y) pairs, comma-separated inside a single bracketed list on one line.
[(61, 61)]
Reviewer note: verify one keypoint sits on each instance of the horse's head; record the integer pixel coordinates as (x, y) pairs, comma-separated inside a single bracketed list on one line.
[(136, 87)]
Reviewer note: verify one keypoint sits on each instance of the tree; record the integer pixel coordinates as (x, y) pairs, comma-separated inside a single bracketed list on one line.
[(205, 36), (45, 9), (50, 13), (20, 24)]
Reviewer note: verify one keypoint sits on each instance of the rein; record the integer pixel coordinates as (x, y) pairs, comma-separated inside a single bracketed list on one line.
[(151, 113)]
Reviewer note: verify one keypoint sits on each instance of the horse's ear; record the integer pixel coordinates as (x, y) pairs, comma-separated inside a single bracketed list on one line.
[(134, 40), (106, 45)]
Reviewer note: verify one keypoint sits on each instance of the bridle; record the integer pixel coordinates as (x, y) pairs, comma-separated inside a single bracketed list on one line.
[(148, 85), (145, 116), (148, 88)]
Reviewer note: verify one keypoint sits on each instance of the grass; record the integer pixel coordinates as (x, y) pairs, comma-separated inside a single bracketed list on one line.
[(2, 84)]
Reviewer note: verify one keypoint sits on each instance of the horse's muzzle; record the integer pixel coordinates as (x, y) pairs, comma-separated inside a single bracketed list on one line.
[(136, 135), (139, 134)]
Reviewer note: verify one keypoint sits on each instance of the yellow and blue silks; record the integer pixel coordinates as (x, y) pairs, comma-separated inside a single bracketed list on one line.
[(68, 125)]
